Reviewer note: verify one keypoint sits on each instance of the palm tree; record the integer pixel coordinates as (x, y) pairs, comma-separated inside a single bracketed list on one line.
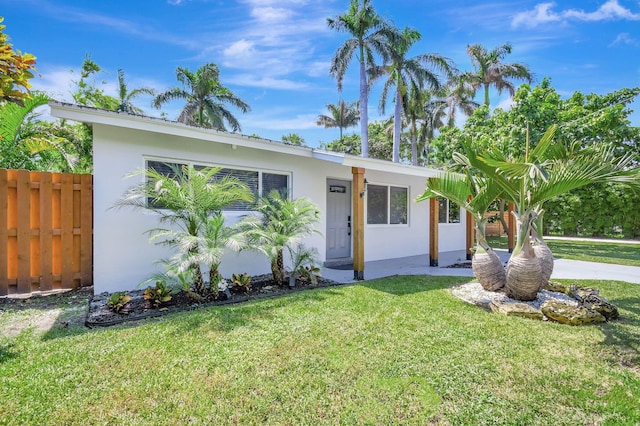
[(407, 74), (369, 34), (542, 173), (186, 199), (206, 99), (283, 224), (125, 97), (458, 95), (491, 71), (474, 193), (424, 113), (342, 116)]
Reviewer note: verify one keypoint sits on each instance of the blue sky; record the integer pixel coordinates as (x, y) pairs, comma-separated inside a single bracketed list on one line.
[(275, 54)]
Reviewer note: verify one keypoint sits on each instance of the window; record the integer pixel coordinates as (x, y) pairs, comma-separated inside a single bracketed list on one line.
[(448, 212), (386, 205), (259, 182)]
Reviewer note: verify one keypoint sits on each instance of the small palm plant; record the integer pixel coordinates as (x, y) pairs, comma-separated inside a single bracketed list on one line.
[(282, 223), (186, 201)]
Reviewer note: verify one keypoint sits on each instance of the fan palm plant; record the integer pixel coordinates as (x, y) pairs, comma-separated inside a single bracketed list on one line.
[(283, 223), (186, 200)]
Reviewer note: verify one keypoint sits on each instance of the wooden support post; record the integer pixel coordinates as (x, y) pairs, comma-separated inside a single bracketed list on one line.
[(434, 222), (4, 234), (471, 235), (511, 223), (358, 222)]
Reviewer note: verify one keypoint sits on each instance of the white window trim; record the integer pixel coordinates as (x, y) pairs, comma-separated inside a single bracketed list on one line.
[(147, 158), (388, 225)]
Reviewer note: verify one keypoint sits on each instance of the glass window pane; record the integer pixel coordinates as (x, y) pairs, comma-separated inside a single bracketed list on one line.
[(166, 169), (377, 204), (275, 182), (399, 209), (249, 177), (442, 210), (454, 213)]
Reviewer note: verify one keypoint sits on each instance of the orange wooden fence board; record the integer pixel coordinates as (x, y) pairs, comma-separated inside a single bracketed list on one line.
[(46, 231)]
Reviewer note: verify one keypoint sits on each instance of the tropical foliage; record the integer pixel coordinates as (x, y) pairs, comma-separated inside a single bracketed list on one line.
[(15, 71), (407, 75), (529, 180), (369, 35), (282, 224), (342, 116), (490, 70), (207, 100), (190, 202)]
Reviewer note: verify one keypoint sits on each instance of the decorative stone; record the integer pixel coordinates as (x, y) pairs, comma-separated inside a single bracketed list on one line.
[(556, 286), (516, 309), (579, 293), (571, 315), (600, 304)]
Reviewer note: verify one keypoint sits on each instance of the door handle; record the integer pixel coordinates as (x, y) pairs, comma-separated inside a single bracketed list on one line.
[(349, 224)]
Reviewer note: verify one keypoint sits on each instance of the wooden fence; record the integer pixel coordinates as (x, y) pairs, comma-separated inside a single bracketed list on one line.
[(46, 231), (496, 228)]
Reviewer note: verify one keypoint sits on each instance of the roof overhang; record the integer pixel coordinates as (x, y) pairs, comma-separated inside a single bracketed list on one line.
[(91, 115)]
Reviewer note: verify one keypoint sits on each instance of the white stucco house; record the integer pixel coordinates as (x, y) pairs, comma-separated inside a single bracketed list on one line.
[(393, 225)]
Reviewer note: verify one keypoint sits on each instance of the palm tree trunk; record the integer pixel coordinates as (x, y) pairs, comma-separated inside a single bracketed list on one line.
[(396, 126), (277, 269), (524, 273), (486, 94), (414, 144), (364, 117), (486, 264), (198, 281)]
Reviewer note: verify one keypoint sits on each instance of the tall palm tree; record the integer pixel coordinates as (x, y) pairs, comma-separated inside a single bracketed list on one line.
[(125, 97), (490, 70), (206, 99), (408, 74), (370, 34), (458, 95), (342, 116)]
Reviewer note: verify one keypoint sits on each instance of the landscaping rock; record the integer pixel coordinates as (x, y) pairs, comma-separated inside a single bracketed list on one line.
[(579, 293), (600, 304), (571, 315), (557, 287), (516, 309)]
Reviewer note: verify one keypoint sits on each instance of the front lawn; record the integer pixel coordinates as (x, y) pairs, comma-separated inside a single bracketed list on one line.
[(596, 251), (399, 350)]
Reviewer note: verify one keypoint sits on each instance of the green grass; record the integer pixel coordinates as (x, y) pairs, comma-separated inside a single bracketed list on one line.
[(603, 252), (400, 350)]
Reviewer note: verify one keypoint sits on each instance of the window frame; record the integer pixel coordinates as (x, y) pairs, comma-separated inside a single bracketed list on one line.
[(147, 158), (388, 202)]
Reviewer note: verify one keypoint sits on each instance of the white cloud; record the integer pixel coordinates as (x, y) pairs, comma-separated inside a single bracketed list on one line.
[(543, 14), (252, 80), (624, 38), (271, 14)]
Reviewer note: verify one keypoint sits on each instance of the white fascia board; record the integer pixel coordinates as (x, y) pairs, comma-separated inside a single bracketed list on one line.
[(157, 125), (375, 164)]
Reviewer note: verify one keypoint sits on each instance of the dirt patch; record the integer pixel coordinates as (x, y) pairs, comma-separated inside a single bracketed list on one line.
[(43, 311)]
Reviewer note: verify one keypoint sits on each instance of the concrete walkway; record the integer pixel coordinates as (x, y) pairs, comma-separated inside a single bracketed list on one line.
[(418, 265)]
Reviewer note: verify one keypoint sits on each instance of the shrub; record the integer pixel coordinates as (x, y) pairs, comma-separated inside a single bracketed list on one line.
[(159, 294), (117, 301), (241, 282)]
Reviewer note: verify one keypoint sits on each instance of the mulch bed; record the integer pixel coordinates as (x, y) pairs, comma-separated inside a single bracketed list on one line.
[(99, 314)]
